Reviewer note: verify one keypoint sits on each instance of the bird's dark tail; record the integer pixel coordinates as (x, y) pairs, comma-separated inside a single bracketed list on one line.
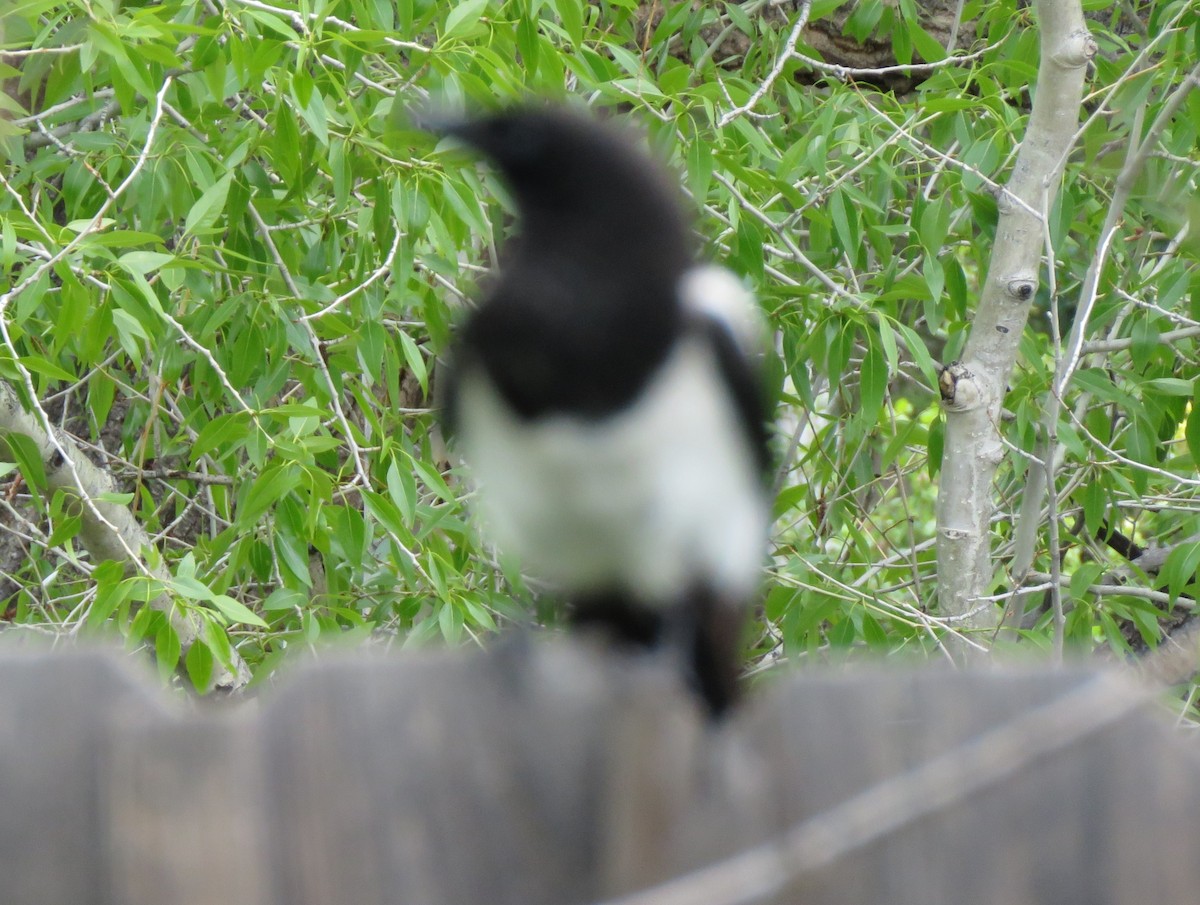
[(707, 631), (702, 632)]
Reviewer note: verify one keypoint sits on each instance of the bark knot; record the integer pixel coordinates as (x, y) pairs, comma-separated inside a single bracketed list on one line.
[(959, 388), (1077, 50), (1021, 289)]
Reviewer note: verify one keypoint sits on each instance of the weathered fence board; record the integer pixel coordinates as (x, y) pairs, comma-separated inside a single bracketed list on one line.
[(553, 773)]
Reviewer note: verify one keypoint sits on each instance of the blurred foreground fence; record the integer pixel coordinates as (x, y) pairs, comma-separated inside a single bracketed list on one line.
[(547, 773)]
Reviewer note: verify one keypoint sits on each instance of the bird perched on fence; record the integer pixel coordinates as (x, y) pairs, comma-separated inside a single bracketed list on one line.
[(606, 396)]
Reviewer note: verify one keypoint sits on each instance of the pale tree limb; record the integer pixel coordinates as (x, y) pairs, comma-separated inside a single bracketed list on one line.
[(108, 531), (973, 449)]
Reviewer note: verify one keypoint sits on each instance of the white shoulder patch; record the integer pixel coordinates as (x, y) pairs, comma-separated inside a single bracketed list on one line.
[(717, 293)]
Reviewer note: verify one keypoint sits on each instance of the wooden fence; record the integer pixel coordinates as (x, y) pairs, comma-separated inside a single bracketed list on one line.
[(552, 773)]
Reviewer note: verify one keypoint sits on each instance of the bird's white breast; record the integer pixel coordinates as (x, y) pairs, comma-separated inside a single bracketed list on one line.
[(648, 500)]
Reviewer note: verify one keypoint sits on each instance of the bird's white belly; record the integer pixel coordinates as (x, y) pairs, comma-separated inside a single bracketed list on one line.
[(648, 501)]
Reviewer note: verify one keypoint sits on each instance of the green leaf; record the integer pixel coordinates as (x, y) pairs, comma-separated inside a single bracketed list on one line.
[(111, 592), (529, 42), (28, 457), (199, 664), (956, 289), (1085, 576), (285, 599), (225, 432), (166, 650), (1179, 569), (291, 410), (118, 499), (65, 517), (273, 23), (926, 45), (462, 17), (291, 547), (130, 332), (450, 622), (235, 611), (1170, 386), (699, 167), (208, 207), (144, 262), (936, 441), (39, 365), (1101, 385), (1145, 342), (433, 480), (285, 142), (217, 641), (874, 379), (80, 226), (403, 490), (414, 360), (142, 623), (933, 224), (1095, 504), (190, 587), (887, 339), (916, 348), (844, 222), (935, 282), (387, 514), (77, 310), (316, 116), (823, 8), (270, 486), (570, 14)]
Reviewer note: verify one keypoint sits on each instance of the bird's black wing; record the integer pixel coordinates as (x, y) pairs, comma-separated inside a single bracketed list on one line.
[(743, 376)]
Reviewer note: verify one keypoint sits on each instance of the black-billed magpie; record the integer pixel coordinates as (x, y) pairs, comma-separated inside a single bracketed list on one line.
[(606, 396)]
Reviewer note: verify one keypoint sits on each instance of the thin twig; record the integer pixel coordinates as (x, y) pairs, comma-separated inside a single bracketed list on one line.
[(788, 53)]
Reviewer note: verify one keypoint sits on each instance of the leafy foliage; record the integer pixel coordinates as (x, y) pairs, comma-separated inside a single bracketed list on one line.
[(234, 264)]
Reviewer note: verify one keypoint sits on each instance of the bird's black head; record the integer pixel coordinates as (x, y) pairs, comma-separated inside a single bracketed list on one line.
[(522, 143), (567, 170)]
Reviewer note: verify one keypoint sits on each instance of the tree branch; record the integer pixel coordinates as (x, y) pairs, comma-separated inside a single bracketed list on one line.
[(972, 447), (108, 531)]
